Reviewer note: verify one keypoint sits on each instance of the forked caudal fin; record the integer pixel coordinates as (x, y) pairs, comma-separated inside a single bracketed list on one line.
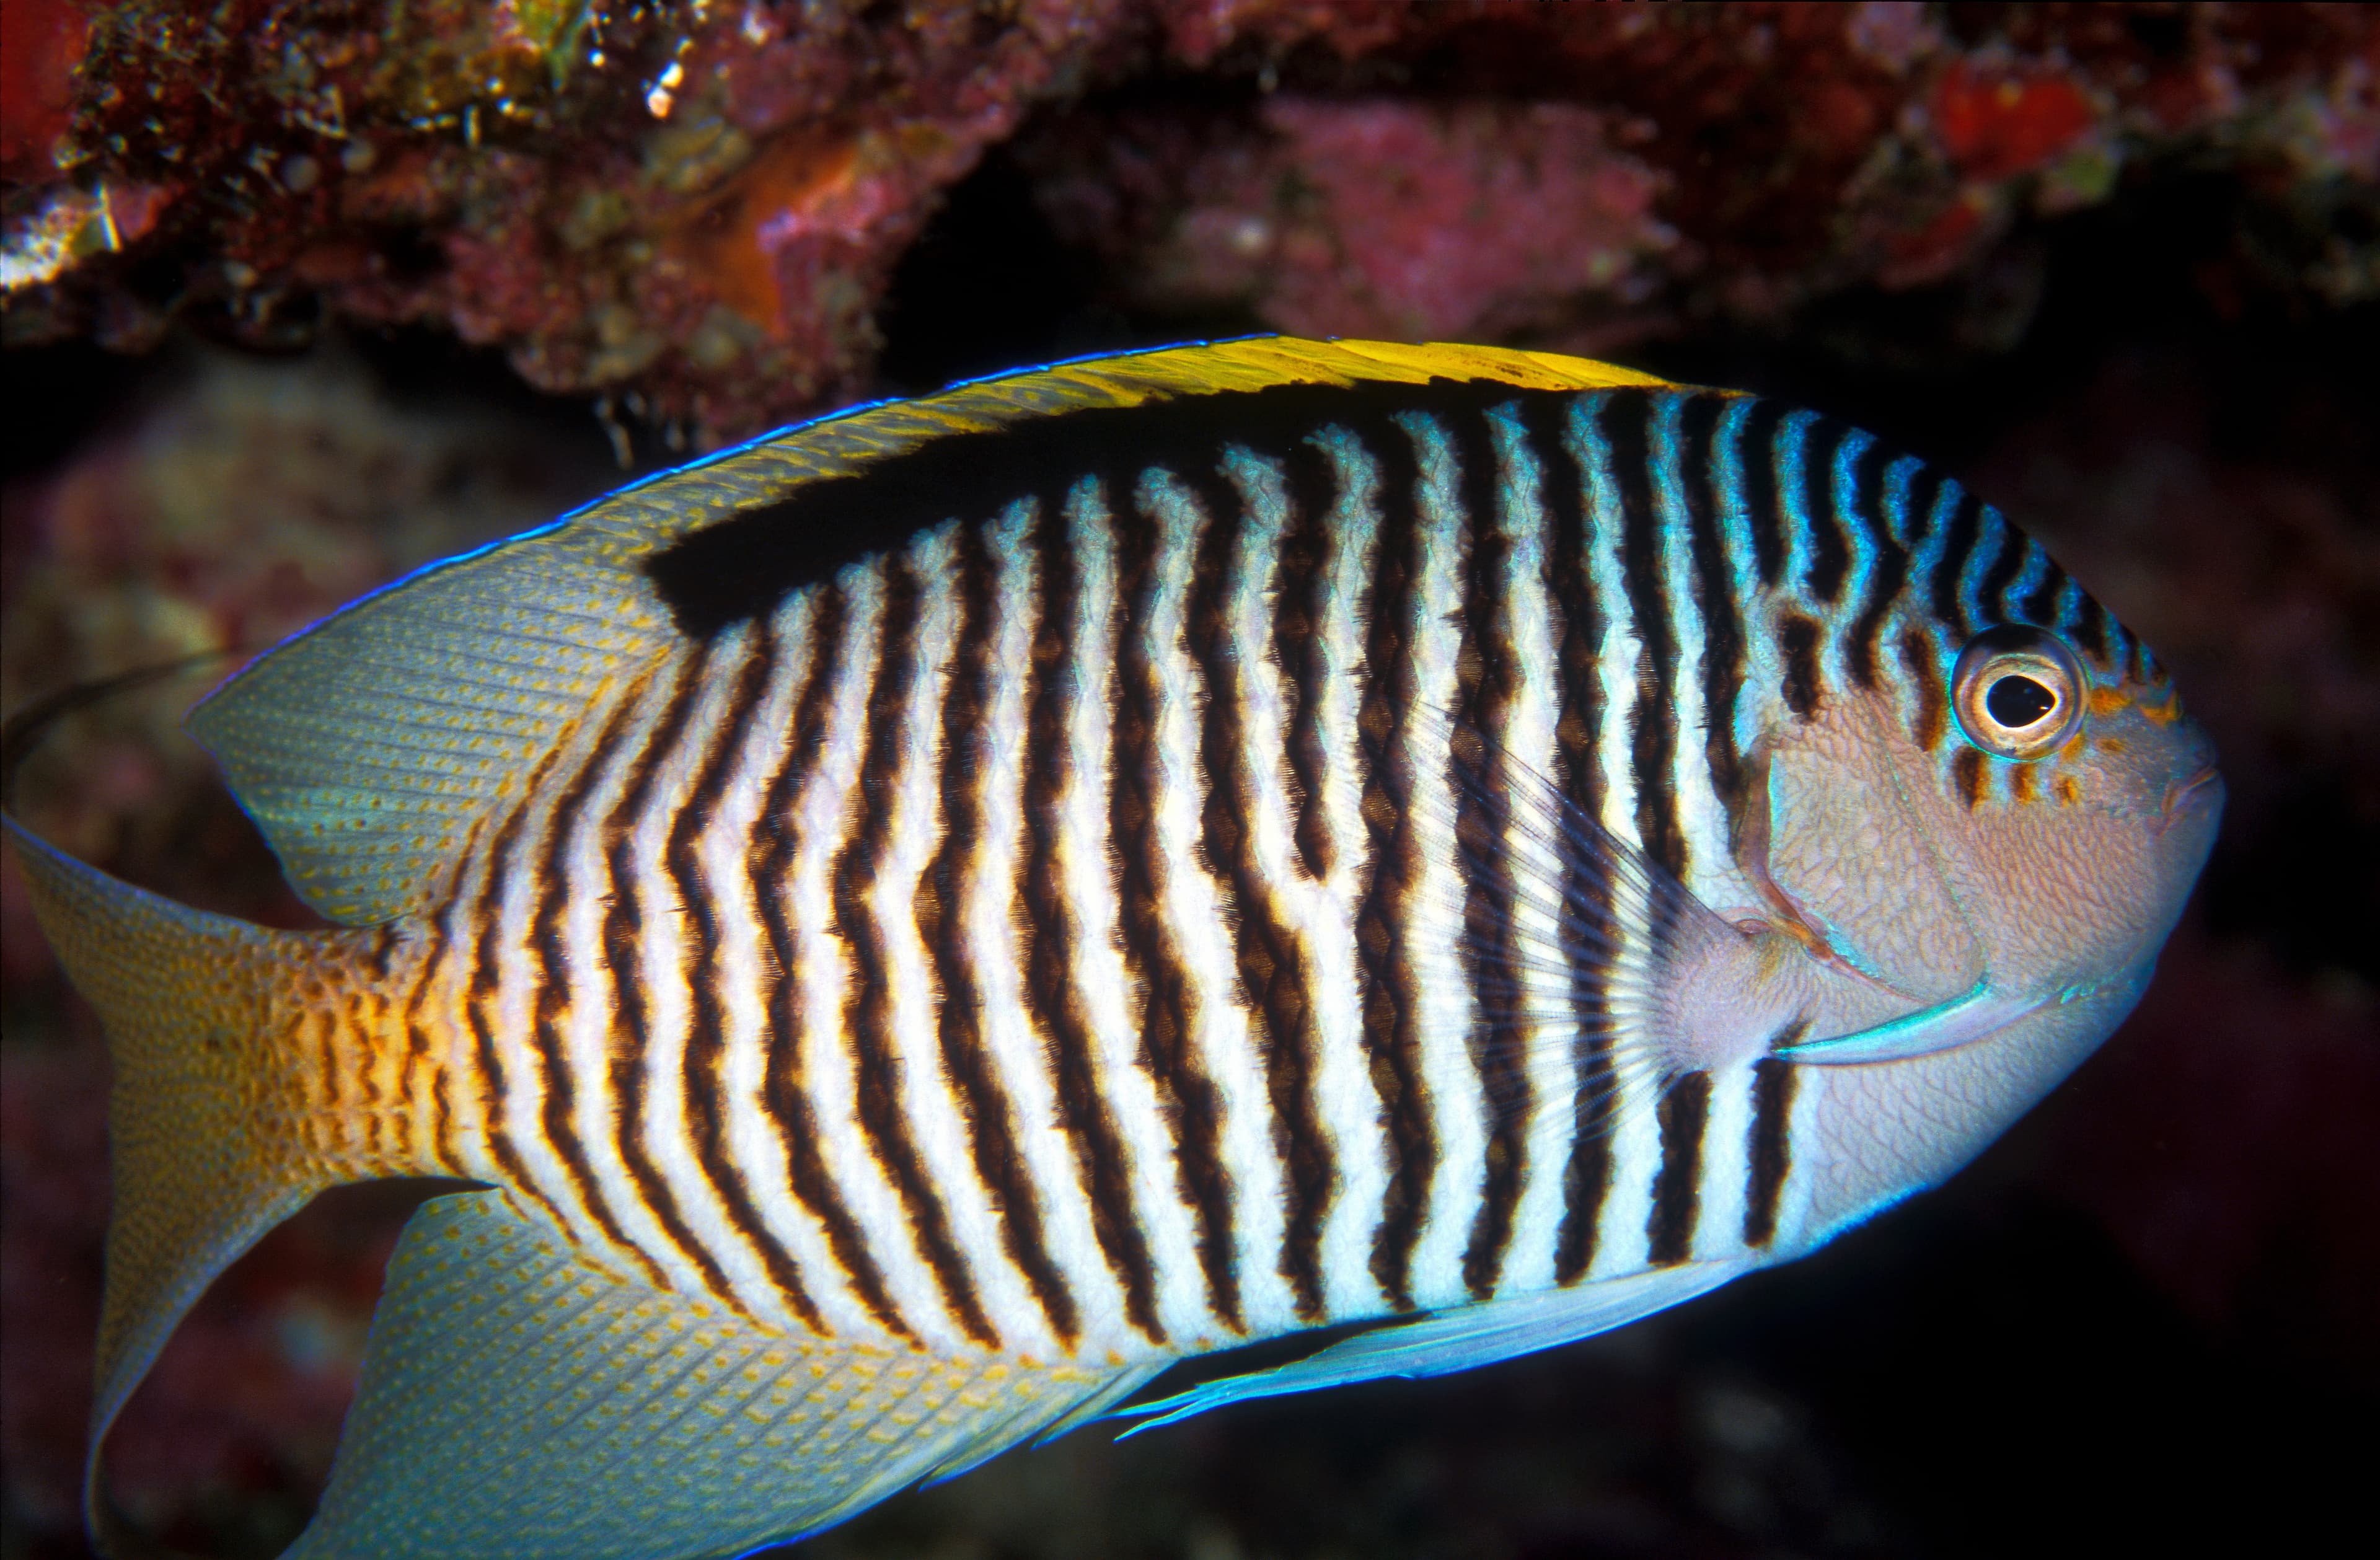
[(220, 1033)]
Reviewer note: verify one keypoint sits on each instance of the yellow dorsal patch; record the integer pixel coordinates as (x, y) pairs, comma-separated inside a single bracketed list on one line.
[(637, 519)]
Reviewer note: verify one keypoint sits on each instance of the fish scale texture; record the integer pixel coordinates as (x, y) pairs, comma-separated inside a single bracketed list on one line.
[(365, 761), (509, 1379)]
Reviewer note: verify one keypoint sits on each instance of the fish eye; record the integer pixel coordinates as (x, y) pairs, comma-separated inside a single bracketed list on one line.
[(2018, 691)]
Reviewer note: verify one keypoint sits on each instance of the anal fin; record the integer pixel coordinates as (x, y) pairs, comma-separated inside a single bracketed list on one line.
[(518, 1401)]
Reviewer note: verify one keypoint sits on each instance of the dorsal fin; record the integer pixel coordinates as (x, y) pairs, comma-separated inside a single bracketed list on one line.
[(367, 748)]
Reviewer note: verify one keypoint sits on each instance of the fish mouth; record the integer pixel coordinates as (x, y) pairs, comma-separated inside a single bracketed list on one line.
[(2199, 796)]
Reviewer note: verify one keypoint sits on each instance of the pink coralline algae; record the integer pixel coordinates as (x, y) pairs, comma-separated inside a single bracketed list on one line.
[(1999, 124), (696, 210), (252, 500), (1387, 218), (41, 45)]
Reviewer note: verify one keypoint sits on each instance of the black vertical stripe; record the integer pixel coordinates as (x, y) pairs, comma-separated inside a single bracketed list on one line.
[(1761, 515), (1866, 512), (1770, 1152), (1587, 1170), (1797, 637), (1390, 982), (785, 1089), (380, 956), (1488, 680), (1052, 993), (2091, 629), (326, 1051), (402, 1014), (706, 1040), (624, 926), (1992, 592), (1305, 547), (1921, 504), (1677, 1185), (1169, 1013), (374, 991), (2041, 606), (943, 926), (1722, 615), (555, 992), (442, 1109), (1830, 550), (1890, 572), (1276, 989), (1625, 417), (867, 1012), (484, 919), (1569, 583), (428, 971), (355, 1019), (1958, 545)]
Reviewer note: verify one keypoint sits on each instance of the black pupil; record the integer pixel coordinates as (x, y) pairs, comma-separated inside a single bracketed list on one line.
[(2018, 701)]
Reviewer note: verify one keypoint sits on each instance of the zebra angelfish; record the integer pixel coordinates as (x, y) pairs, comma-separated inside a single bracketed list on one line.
[(925, 919)]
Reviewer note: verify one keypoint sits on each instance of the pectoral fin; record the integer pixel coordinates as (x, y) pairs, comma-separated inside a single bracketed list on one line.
[(1678, 988)]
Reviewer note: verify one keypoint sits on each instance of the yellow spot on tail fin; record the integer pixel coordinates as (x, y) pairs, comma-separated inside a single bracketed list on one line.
[(220, 1034)]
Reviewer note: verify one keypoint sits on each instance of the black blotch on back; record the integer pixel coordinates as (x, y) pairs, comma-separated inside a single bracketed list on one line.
[(741, 566)]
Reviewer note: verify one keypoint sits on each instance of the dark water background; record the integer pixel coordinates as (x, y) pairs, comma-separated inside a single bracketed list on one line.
[(2146, 1322)]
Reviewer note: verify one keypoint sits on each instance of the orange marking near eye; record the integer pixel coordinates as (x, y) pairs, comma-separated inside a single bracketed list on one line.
[(2112, 745), (2022, 783), (2107, 701), (2068, 793)]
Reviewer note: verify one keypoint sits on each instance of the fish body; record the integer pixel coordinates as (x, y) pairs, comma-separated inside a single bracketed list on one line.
[(924, 920)]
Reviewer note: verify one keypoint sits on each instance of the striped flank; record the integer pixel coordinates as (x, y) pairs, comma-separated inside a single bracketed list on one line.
[(1101, 920)]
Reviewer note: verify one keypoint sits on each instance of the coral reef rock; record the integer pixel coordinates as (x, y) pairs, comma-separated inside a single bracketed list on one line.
[(696, 210)]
